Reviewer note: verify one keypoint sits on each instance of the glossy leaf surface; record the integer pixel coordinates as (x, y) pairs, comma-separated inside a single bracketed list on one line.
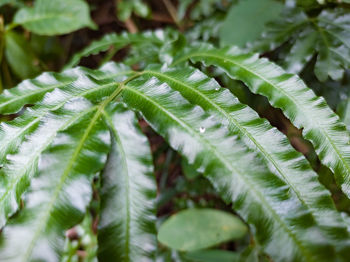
[(126, 230), (256, 194), (258, 135), (36, 131), (59, 194), (299, 103)]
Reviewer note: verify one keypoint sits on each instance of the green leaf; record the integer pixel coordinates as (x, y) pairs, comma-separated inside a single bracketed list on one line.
[(257, 195), (32, 91), (126, 8), (15, 3), (22, 166), (212, 256), (325, 36), (20, 56), (194, 229), (285, 91), (245, 21), (55, 17), (204, 9), (301, 52), (61, 191), (258, 135), (126, 228), (334, 44), (37, 131), (117, 41)]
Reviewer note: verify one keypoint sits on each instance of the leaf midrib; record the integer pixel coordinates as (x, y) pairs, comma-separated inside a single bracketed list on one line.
[(230, 167), (127, 184), (35, 156), (99, 111), (41, 90), (238, 125), (345, 164)]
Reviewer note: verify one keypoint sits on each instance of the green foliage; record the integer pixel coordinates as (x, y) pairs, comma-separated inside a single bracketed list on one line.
[(81, 175), (289, 93), (54, 17), (125, 8), (24, 55), (117, 42), (127, 218), (205, 141), (324, 36), (17, 52), (238, 31), (200, 228), (212, 256)]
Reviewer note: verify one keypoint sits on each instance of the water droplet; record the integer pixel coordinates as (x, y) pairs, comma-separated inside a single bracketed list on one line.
[(202, 129), (217, 88)]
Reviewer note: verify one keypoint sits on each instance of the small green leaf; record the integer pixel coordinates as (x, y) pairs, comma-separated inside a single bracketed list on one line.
[(20, 56), (126, 7), (195, 229), (55, 17)]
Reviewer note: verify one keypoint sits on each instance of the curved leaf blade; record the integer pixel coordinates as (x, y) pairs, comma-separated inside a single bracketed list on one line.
[(278, 220), (288, 92), (258, 135), (75, 81), (61, 191), (126, 230), (117, 42), (37, 129)]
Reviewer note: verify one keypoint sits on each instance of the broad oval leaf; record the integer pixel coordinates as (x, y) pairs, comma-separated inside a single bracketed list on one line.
[(54, 17), (194, 229), (240, 29)]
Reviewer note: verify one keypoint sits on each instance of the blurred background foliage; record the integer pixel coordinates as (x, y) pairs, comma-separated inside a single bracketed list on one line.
[(307, 37)]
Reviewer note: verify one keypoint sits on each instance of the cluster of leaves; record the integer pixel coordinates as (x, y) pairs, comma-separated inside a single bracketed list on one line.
[(44, 19), (77, 172)]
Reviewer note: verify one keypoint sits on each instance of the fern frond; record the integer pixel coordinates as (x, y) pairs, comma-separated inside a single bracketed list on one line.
[(299, 103), (258, 135), (258, 196), (117, 42), (61, 191), (126, 228), (202, 121), (324, 36), (37, 132)]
